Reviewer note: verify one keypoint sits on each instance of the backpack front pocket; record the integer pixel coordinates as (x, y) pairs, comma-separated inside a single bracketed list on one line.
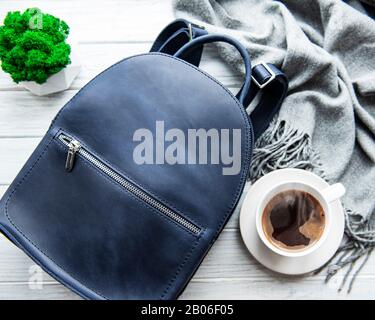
[(74, 148), (98, 227)]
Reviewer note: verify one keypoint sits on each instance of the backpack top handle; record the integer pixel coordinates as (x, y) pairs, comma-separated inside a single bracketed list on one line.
[(193, 44)]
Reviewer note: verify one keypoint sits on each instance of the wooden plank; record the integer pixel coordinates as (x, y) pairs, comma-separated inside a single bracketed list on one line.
[(3, 188), (227, 273), (48, 291), (277, 289), (228, 259), (294, 289), (14, 153), (23, 115), (104, 21), (94, 59)]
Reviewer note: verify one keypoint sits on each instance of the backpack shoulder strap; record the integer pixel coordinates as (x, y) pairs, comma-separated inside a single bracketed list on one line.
[(267, 79), (272, 84), (175, 35)]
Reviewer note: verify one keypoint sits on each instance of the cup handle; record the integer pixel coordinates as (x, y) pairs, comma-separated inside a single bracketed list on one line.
[(333, 192)]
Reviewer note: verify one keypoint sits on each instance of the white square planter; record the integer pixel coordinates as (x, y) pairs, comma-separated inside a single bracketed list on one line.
[(58, 82)]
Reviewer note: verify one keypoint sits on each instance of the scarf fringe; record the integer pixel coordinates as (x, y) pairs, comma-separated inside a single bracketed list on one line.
[(281, 147)]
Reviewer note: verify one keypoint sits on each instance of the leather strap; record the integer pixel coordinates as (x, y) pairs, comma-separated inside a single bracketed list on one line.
[(198, 42), (272, 84), (267, 79), (177, 34)]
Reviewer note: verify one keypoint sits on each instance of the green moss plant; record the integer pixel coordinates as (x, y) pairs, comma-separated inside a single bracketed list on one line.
[(32, 45)]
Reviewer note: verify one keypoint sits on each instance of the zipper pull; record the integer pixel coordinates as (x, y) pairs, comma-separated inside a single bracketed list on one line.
[(74, 147)]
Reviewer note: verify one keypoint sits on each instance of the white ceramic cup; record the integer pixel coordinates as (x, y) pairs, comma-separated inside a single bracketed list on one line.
[(324, 196)]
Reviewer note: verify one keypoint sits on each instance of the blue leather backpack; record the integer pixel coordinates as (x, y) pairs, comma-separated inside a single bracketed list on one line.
[(108, 227)]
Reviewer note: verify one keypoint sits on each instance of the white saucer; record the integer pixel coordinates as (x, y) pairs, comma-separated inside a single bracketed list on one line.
[(271, 260)]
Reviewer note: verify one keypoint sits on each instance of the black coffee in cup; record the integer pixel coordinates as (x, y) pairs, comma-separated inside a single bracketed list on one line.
[(293, 220)]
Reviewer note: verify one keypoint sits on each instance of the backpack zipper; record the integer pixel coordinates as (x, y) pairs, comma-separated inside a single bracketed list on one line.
[(75, 147)]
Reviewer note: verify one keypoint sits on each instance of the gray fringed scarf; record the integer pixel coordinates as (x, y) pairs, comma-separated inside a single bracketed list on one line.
[(327, 122)]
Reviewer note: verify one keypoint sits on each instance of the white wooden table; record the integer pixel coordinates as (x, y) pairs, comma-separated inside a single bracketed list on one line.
[(107, 31)]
